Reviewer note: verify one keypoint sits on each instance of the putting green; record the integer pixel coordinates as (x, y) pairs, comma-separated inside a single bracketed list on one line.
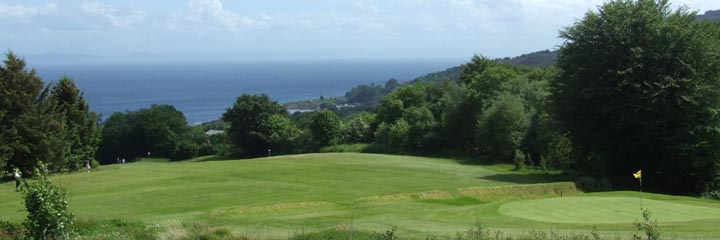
[(601, 210)]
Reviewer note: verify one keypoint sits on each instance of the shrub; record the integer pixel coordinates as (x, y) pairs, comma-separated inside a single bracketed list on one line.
[(647, 226), (9, 230), (115, 229), (519, 160), (48, 217), (347, 234)]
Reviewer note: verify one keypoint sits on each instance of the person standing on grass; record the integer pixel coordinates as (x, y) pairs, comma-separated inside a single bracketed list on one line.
[(87, 165), (17, 175)]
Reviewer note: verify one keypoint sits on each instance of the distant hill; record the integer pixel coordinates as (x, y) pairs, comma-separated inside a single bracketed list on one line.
[(713, 15), (452, 74), (536, 59)]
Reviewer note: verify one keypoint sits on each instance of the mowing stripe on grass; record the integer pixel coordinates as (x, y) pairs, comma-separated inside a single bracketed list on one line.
[(602, 210)]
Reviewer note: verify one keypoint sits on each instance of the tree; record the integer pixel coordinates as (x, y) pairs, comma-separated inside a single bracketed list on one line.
[(161, 130), (359, 129), (325, 127), (248, 129), (639, 88), (29, 128), (501, 128), (284, 135), (82, 135)]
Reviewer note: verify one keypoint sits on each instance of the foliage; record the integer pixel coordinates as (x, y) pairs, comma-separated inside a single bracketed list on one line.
[(82, 132), (365, 94), (359, 129), (648, 227), (370, 94), (325, 128), (42, 122), (48, 216), (115, 229), (285, 137), (249, 132), (161, 130), (543, 58), (639, 88), (501, 128), (393, 134), (347, 234)]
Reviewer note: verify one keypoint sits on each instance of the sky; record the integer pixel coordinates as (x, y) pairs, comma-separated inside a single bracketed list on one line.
[(164, 30)]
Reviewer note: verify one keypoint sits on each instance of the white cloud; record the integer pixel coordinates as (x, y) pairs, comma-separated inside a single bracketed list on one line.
[(22, 10), (119, 17), (365, 6), (213, 11)]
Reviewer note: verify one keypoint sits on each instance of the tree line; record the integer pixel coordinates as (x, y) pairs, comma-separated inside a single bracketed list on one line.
[(636, 86)]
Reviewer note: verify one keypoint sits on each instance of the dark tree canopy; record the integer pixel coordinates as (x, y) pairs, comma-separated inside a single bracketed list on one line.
[(248, 129), (20, 89), (38, 122), (639, 88), (161, 130), (325, 128)]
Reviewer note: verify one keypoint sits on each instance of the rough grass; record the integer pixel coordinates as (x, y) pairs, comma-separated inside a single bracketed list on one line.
[(279, 197)]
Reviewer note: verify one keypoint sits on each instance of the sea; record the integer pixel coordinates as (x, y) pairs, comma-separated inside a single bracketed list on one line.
[(203, 91)]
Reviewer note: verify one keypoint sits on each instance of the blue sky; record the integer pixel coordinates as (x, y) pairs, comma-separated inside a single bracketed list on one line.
[(288, 29)]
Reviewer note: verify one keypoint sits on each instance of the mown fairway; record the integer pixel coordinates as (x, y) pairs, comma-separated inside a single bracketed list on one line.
[(279, 196)]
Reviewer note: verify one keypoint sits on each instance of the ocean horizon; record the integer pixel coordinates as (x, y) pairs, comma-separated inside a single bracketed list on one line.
[(204, 90)]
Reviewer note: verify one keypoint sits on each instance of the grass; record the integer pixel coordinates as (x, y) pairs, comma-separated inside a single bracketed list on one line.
[(279, 197)]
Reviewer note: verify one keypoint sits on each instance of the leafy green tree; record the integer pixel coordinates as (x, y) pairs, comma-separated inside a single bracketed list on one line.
[(325, 128), (284, 137), (421, 131), (393, 134), (390, 85), (502, 127), (161, 130), (639, 88), (116, 136), (248, 129), (365, 94), (359, 129), (476, 66)]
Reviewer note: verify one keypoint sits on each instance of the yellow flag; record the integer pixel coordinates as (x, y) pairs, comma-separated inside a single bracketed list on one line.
[(638, 174)]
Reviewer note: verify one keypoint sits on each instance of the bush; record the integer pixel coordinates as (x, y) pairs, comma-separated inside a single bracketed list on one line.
[(48, 217), (184, 150), (9, 230), (347, 234), (647, 226), (115, 229), (519, 160)]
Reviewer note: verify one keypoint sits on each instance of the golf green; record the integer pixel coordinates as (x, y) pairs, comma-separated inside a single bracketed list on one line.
[(604, 210)]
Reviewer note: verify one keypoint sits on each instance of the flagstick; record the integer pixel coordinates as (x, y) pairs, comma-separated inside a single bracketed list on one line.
[(641, 194)]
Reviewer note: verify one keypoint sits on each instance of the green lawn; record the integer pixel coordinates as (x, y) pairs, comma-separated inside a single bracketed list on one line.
[(280, 196)]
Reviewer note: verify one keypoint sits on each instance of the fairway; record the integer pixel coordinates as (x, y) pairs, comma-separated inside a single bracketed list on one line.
[(280, 196), (600, 210)]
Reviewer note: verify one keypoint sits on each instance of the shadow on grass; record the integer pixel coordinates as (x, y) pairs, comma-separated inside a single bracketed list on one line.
[(214, 158), (527, 178)]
